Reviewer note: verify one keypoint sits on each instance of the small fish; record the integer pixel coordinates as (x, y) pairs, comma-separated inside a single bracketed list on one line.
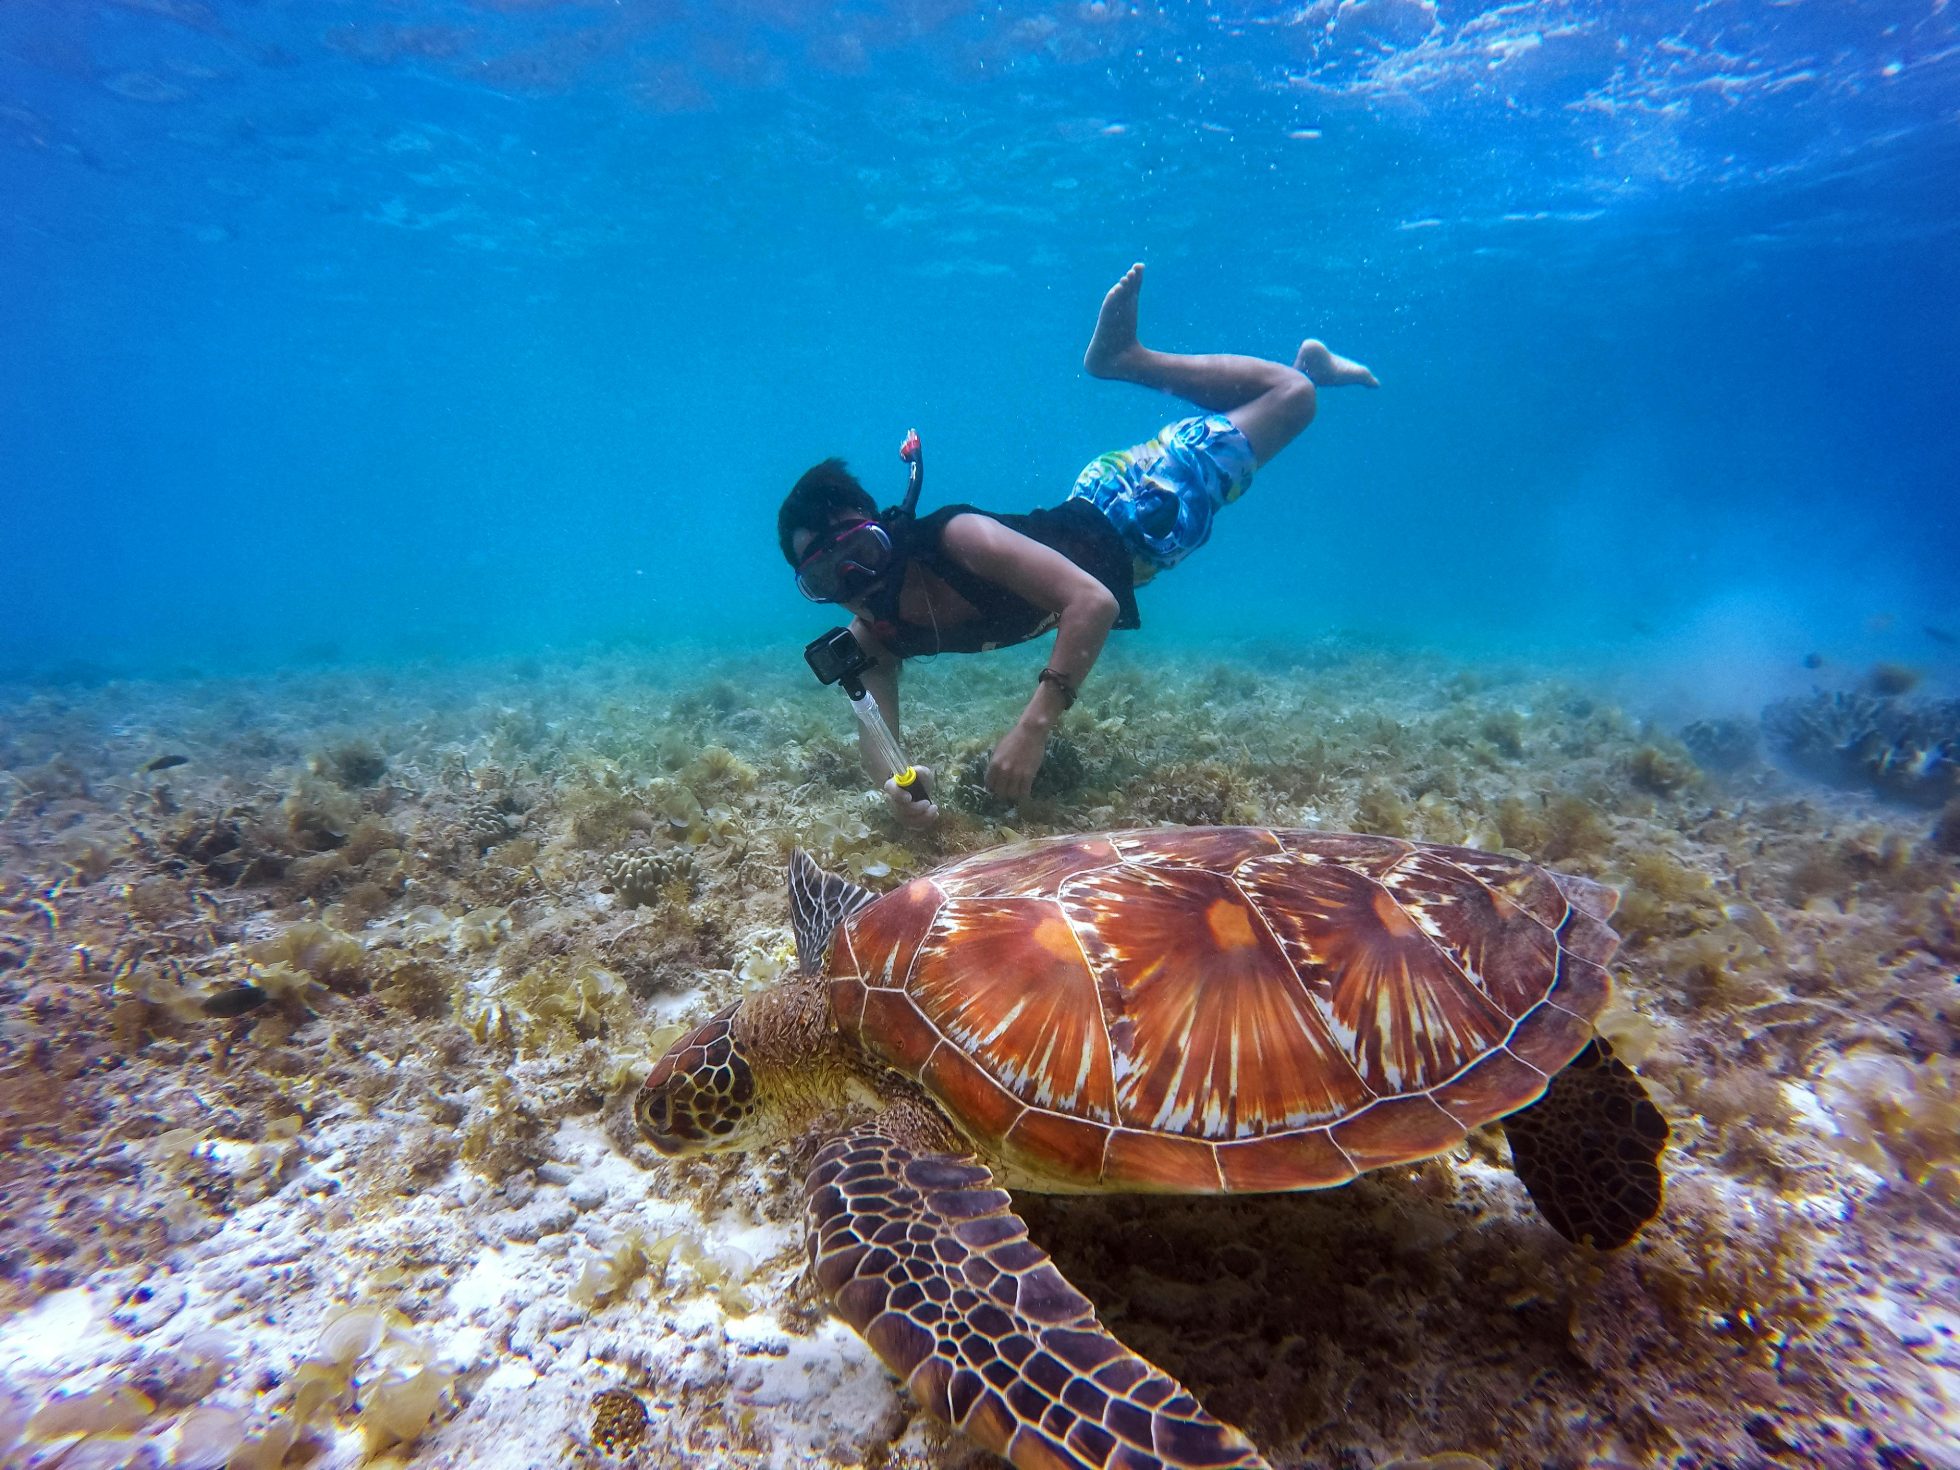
[(162, 763), (235, 1000), (1813, 660), (1940, 635)]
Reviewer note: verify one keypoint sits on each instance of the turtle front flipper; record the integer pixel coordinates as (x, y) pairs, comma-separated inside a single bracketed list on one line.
[(927, 1260), (1589, 1150)]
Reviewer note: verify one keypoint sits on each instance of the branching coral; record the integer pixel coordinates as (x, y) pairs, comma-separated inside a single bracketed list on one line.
[(1903, 749)]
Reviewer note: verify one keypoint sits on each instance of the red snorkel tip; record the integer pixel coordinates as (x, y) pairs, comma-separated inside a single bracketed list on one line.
[(909, 450)]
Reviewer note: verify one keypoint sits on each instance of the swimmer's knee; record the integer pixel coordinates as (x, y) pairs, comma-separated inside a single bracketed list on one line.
[(1298, 401)]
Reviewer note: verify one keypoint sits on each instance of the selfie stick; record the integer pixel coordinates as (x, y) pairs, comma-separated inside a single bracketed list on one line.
[(837, 658), (871, 720)]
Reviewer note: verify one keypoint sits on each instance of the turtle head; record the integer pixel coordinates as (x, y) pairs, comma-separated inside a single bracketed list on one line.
[(701, 1096)]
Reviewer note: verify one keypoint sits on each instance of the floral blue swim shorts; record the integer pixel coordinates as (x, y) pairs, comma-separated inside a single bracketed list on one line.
[(1161, 495)]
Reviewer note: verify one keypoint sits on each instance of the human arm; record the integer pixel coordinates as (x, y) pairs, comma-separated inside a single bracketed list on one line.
[(1086, 611)]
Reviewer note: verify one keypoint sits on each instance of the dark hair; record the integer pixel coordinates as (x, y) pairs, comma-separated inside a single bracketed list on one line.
[(824, 490)]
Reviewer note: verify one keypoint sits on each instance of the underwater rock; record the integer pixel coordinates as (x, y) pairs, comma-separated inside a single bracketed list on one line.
[(1724, 743), (353, 765), (1905, 750), (1945, 835)]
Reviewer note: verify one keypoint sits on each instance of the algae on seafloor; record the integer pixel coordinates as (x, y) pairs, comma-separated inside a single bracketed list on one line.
[(469, 957)]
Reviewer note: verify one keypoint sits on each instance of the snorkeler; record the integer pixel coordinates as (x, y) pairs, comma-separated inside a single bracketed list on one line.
[(963, 580)]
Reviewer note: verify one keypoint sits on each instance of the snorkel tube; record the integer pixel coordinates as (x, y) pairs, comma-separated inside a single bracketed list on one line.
[(915, 456)]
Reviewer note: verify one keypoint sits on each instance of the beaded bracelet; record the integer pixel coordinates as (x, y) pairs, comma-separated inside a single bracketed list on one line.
[(1061, 682)]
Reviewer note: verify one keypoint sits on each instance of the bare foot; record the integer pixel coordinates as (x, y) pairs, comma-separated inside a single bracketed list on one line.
[(1115, 338), (1325, 369)]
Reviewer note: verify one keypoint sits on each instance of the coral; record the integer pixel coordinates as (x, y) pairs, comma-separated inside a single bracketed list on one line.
[(1910, 751), (619, 1421), (642, 876), (490, 820)]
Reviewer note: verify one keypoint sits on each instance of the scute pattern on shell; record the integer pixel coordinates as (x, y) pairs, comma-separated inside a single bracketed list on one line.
[(1225, 1009)]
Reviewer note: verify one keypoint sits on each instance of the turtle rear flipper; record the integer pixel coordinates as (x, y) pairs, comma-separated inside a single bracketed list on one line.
[(927, 1260), (1589, 1150)]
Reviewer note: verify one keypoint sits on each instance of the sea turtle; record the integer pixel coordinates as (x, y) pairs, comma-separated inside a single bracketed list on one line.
[(1204, 1010)]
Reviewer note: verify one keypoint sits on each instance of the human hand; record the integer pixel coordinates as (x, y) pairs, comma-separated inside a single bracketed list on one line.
[(916, 813), (1011, 768)]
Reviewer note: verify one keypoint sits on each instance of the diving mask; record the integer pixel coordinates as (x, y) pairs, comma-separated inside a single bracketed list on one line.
[(845, 564)]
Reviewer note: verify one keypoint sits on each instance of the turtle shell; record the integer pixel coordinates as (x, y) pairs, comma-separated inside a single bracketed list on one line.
[(1224, 1009)]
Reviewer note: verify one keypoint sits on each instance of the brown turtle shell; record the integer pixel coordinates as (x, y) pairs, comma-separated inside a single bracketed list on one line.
[(1224, 1009)]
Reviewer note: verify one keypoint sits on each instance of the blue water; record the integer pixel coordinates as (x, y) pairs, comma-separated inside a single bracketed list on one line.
[(376, 331)]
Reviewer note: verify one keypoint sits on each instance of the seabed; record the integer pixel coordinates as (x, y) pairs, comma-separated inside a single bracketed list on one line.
[(316, 1049)]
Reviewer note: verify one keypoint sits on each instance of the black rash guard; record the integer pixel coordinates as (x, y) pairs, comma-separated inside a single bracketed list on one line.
[(1075, 528)]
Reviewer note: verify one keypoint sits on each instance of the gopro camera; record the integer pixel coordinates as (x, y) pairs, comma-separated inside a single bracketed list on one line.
[(837, 658)]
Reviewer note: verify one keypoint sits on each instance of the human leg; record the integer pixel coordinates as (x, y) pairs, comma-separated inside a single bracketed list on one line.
[(1269, 402)]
